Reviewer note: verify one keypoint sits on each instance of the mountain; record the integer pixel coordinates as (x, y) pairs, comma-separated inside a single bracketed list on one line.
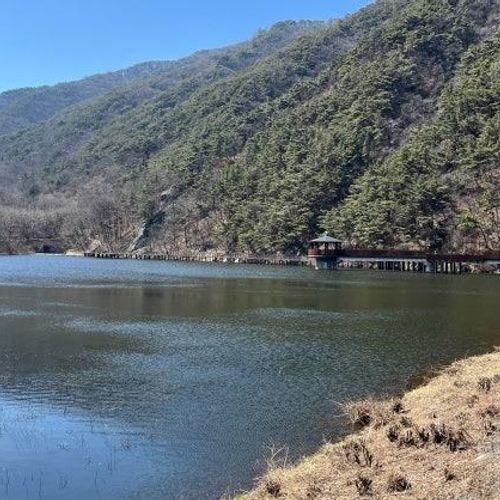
[(24, 107), (382, 128), (28, 106)]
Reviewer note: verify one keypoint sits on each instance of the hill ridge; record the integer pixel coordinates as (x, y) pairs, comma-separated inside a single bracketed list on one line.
[(350, 127)]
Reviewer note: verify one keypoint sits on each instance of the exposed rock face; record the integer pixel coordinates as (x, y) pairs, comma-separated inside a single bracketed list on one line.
[(146, 231)]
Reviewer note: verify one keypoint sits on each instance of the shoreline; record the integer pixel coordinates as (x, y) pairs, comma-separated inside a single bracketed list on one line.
[(269, 260), (439, 440), (397, 266)]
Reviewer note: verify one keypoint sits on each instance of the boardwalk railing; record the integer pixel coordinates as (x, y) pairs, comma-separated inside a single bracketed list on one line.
[(284, 260), (351, 258), (374, 253)]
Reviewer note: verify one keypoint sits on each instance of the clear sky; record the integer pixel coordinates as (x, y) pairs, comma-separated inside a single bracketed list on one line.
[(49, 41)]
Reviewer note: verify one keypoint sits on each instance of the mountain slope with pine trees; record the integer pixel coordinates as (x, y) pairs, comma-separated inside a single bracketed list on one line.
[(382, 128)]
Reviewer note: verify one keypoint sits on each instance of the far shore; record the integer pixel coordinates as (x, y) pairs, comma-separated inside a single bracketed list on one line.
[(441, 440), (273, 259)]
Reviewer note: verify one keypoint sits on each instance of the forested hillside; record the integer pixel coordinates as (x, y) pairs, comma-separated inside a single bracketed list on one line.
[(24, 107), (382, 128), (27, 106)]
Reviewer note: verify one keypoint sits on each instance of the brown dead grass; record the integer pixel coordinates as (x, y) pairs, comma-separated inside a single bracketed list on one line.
[(440, 441)]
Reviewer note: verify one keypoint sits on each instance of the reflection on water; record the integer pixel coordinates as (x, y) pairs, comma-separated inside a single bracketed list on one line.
[(132, 379)]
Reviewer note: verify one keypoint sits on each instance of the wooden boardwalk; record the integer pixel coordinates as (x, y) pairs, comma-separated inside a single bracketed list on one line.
[(346, 258), (277, 260), (404, 260)]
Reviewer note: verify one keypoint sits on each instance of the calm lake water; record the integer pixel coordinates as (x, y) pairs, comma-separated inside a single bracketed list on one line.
[(131, 379)]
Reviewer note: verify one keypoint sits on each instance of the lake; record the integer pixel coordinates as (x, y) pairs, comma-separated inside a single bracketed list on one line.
[(137, 379)]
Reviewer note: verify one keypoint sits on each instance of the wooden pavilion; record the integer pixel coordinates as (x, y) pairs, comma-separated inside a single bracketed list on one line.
[(324, 251), (324, 245)]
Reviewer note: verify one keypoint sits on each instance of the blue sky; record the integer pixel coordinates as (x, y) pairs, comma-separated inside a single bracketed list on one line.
[(48, 41)]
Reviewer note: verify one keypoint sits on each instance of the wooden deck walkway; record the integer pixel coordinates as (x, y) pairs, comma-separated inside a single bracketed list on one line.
[(277, 260), (346, 258), (403, 260)]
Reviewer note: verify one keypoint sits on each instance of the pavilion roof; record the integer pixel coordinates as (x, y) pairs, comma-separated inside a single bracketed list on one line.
[(325, 239)]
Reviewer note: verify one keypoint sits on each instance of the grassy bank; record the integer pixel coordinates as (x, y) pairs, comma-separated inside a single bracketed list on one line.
[(439, 441)]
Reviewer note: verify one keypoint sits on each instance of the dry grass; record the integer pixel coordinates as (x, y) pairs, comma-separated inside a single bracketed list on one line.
[(440, 441)]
